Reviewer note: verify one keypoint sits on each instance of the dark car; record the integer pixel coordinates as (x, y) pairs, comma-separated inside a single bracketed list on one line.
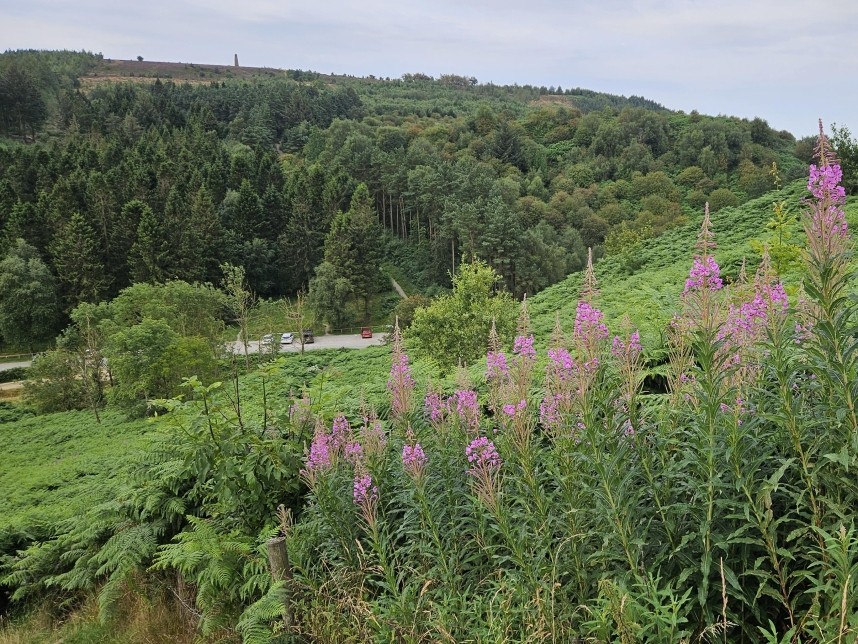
[(308, 336)]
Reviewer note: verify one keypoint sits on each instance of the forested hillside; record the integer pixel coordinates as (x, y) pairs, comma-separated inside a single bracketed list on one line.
[(115, 179)]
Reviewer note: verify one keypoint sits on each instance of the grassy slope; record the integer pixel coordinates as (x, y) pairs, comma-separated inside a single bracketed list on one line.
[(650, 295), (56, 465)]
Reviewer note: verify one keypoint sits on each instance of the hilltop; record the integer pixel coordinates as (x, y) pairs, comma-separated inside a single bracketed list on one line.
[(111, 70)]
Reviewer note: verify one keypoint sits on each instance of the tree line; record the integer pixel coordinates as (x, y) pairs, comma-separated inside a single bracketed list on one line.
[(149, 182)]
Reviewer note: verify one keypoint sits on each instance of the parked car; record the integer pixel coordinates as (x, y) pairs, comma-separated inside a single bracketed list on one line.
[(287, 338), (308, 336), (267, 340), (365, 332)]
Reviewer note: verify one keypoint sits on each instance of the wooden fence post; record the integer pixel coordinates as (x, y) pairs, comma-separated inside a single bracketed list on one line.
[(278, 563)]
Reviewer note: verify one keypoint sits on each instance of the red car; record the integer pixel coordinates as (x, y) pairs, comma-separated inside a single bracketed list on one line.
[(365, 332)]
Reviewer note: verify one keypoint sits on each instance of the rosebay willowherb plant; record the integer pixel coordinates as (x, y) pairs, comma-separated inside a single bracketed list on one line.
[(559, 501)]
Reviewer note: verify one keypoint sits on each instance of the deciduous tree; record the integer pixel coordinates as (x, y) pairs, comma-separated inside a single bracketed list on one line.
[(29, 306), (455, 327)]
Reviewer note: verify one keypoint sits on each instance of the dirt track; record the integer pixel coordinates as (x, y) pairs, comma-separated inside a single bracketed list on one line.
[(10, 391)]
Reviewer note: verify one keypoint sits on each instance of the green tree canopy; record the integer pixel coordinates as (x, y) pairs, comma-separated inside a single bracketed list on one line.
[(29, 306), (455, 327), (353, 247), (22, 107), (78, 263), (329, 294), (188, 309)]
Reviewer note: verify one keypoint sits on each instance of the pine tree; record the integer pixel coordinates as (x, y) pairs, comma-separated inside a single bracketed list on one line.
[(150, 254), (247, 216), (353, 246), (22, 107), (273, 213), (203, 237), (77, 259)]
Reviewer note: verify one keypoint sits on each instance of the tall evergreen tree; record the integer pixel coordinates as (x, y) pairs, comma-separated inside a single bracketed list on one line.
[(273, 213), (353, 246), (202, 238), (151, 252), (247, 213), (22, 108), (308, 220), (77, 260)]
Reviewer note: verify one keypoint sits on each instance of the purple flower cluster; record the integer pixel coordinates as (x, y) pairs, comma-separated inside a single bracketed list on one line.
[(824, 182), (591, 365), (400, 372), (827, 216), (631, 350), (776, 296), (364, 492), (413, 459), (435, 407), (340, 433), (400, 384), (588, 323), (464, 401), (511, 410), (705, 275), (353, 452), (482, 455), (523, 346), (745, 323), (561, 359), (496, 366), (326, 447), (549, 411), (319, 458)]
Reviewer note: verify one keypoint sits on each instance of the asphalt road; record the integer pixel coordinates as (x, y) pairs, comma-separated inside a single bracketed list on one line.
[(322, 342), (11, 365)]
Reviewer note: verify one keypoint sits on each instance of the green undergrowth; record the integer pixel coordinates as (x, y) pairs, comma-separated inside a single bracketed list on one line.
[(56, 465)]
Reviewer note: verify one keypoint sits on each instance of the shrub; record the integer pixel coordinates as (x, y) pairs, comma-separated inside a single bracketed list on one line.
[(722, 198), (14, 374)]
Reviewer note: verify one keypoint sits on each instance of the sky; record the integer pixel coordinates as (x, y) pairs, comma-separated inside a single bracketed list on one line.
[(789, 62)]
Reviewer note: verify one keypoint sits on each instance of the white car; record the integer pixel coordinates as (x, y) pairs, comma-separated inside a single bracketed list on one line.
[(287, 338)]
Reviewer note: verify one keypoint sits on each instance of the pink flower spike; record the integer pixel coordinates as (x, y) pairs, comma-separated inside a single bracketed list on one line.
[(523, 346), (482, 455), (588, 323), (363, 490), (496, 365), (413, 459), (705, 275)]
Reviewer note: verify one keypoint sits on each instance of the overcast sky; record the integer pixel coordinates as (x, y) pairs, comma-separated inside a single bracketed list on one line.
[(790, 62)]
